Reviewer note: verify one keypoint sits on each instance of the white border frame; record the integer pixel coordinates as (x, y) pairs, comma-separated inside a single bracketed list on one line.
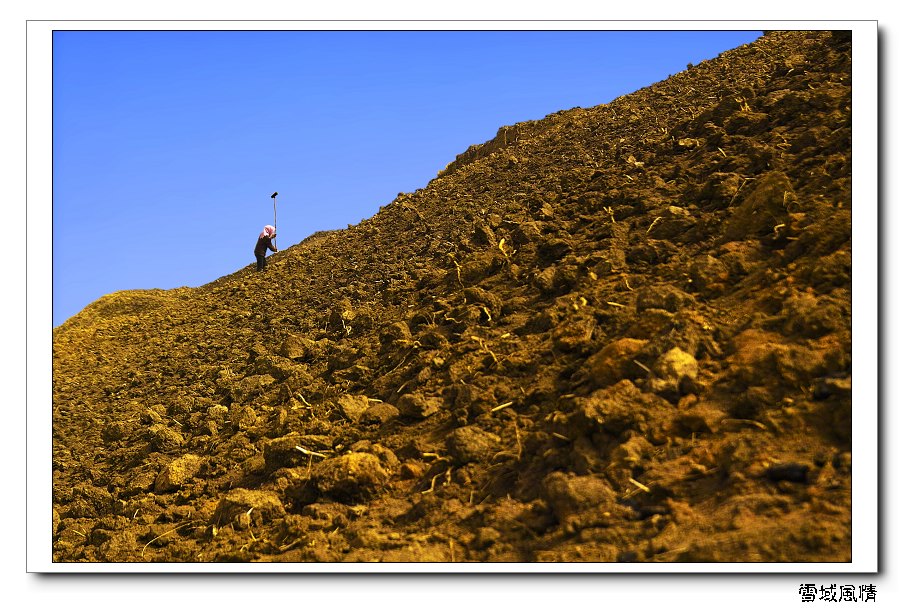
[(865, 300)]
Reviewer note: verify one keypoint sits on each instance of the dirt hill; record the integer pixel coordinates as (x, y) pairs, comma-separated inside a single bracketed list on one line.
[(617, 334)]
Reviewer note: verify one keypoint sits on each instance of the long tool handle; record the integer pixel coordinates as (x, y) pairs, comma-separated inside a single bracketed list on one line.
[(274, 208)]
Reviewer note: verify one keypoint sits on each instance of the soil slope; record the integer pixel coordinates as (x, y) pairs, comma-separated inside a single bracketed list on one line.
[(616, 334)]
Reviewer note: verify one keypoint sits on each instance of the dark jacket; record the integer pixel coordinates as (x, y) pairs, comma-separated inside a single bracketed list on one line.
[(264, 243)]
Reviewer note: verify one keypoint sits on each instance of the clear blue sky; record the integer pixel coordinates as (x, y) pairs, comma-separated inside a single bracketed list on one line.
[(167, 145)]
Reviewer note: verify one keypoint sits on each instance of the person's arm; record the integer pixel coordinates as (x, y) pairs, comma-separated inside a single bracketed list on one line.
[(272, 246)]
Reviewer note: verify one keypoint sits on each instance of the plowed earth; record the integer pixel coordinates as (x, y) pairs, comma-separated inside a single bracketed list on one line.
[(617, 334)]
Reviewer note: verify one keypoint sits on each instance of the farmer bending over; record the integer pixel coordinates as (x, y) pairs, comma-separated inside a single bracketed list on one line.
[(264, 242)]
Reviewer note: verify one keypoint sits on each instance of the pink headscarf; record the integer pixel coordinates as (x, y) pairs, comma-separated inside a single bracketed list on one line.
[(268, 231)]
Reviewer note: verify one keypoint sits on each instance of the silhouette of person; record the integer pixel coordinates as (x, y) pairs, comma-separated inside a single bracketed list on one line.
[(264, 242)]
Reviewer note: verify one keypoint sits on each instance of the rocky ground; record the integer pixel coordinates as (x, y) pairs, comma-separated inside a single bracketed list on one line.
[(616, 334)]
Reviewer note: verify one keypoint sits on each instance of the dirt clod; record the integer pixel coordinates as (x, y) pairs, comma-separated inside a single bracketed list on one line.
[(350, 478)]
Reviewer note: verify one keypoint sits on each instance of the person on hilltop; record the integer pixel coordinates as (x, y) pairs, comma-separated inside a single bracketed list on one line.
[(264, 242)]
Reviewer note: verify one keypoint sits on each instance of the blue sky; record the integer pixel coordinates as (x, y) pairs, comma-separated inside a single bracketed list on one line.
[(168, 144)]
